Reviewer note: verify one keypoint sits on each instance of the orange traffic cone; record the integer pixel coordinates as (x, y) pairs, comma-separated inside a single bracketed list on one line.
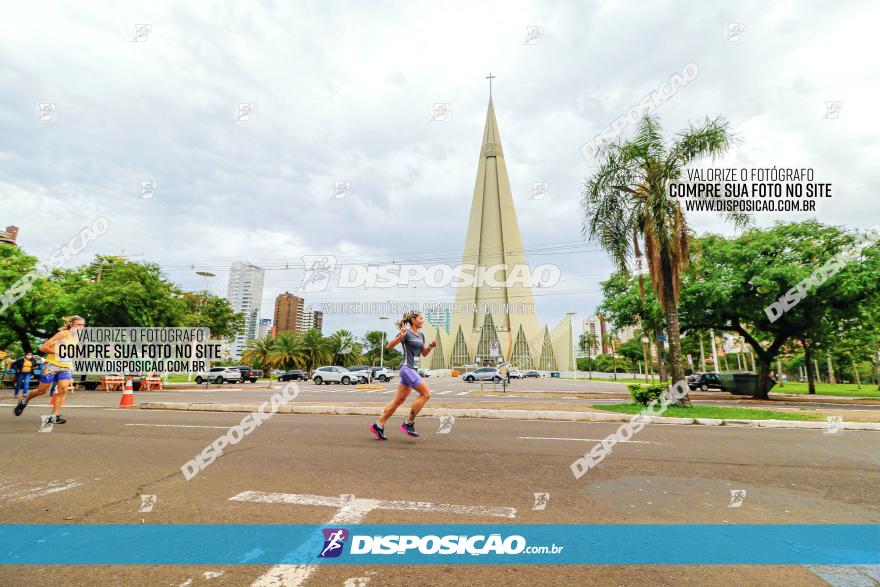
[(127, 400)]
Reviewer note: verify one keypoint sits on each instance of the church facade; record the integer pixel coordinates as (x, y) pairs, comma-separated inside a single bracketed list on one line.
[(494, 323)]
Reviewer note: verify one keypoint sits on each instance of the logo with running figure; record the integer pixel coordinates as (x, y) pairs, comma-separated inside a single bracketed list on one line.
[(334, 542), (318, 269)]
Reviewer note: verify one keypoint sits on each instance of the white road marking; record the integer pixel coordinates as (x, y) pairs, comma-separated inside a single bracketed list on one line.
[(34, 492), (350, 511), (584, 439), (179, 426), (847, 575), (462, 393)]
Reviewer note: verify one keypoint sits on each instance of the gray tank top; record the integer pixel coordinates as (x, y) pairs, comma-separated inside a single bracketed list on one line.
[(412, 344)]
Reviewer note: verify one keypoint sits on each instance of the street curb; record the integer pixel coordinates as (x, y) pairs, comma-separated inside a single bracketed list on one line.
[(557, 415)]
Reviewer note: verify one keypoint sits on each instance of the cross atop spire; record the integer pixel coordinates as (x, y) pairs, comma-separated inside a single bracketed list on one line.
[(490, 77)]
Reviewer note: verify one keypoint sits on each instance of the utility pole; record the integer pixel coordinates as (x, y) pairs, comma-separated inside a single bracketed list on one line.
[(702, 355), (779, 372), (714, 351), (831, 379), (382, 346)]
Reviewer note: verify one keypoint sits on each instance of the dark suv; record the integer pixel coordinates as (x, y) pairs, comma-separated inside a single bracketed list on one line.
[(248, 374), (295, 375), (704, 381)]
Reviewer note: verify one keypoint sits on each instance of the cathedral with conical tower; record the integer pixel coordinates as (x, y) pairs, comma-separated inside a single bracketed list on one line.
[(493, 324)]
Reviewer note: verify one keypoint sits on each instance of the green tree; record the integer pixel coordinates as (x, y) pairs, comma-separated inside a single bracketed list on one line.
[(734, 281), (262, 354), (344, 349), (628, 195), (315, 349), (289, 352), (210, 311)]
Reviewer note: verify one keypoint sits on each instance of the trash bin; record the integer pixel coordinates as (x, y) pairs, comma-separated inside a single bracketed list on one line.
[(743, 383)]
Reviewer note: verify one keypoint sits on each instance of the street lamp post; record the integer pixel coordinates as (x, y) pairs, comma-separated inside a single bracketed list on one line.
[(382, 346), (207, 275)]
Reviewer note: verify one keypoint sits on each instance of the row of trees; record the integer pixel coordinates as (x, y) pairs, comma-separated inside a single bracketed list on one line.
[(109, 291), (715, 282), (309, 350), (731, 281), (113, 291)]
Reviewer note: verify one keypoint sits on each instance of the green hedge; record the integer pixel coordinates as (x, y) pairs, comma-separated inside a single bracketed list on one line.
[(644, 393)]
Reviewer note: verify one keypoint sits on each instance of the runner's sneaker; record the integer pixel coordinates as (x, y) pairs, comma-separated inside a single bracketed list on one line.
[(409, 428), (379, 431), (19, 408), (58, 419)]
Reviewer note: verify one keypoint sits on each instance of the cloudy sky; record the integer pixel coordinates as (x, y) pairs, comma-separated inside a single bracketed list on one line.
[(344, 91)]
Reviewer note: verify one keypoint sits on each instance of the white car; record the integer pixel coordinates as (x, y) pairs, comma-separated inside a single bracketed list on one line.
[(220, 375), (484, 374), (383, 374), (328, 375)]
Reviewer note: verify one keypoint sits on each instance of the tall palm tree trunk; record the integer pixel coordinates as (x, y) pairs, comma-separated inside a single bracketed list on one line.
[(658, 330), (676, 372)]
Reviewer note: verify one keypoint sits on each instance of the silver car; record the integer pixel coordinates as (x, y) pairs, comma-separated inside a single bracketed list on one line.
[(482, 374)]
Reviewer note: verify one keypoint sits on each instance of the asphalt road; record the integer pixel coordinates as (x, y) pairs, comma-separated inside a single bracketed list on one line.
[(94, 469)]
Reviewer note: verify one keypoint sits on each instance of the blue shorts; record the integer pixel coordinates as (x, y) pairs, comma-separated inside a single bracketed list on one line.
[(409, 376), (52, 373)]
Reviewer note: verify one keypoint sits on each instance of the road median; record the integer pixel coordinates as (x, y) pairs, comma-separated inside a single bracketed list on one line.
[(506, 414)]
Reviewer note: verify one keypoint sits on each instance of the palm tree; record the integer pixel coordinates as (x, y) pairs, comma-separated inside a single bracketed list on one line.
[(260, 352), (588, 341), (288, 352), (628, 195), (315, 349), (344, 349)]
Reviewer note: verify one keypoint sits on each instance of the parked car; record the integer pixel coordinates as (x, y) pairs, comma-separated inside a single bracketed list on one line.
[(423, 373), (294, 375), (531, 373), (220, 375), (364, 370), (704, 381), (334, 374), (383, 374), (515, 374), (248, 374), (483, 374)]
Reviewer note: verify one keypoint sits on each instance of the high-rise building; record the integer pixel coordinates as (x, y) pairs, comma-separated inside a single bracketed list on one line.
[(311, 318), (625, 333), (594, 326), (289, 310), (245, 293), (498, 323), (439, 318), (9, 236)]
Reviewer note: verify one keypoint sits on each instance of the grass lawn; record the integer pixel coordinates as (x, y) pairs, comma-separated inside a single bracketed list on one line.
[(714, 412), (841, 389), (619, 379)]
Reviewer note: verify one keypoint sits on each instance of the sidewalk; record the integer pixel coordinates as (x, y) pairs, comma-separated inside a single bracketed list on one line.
[(569, 415)]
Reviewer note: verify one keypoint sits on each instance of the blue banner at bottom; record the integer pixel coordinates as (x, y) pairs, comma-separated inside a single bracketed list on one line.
[(480, 544)]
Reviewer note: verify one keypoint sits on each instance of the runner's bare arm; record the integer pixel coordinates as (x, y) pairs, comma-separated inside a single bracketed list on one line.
[(427, 349), (393, 343), (49, 345)]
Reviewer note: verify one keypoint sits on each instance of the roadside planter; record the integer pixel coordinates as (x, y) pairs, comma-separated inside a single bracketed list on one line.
[(742, 383)]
